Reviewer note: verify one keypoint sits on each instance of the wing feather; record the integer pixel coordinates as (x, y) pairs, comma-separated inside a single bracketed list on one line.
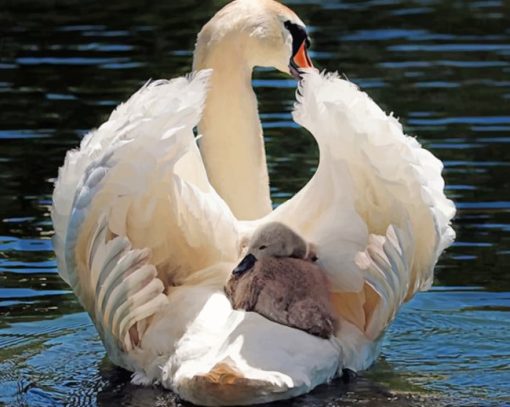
[(385, 265), (126, 286)]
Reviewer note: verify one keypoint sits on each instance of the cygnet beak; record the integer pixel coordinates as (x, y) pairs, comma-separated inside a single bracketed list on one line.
[(246, 264)]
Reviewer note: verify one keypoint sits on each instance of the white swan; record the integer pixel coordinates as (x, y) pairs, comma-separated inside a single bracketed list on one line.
[(146, 233)]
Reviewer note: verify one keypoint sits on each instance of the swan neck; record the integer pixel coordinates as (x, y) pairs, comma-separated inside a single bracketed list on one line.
[(232, 143)]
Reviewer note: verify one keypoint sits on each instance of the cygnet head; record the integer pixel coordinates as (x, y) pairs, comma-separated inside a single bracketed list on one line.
[(275, 240), (254, 33)]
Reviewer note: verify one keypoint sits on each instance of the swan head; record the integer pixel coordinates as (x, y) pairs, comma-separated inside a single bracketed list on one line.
[(275, 239), (254, 33)]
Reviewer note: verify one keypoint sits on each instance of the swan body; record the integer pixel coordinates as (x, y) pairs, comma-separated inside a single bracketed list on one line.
[(148, 227)]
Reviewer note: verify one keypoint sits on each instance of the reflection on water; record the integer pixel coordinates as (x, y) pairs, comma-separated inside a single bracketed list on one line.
[(443, 67)]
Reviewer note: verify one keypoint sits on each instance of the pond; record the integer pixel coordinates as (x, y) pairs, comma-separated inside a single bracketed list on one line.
[(443, 68)]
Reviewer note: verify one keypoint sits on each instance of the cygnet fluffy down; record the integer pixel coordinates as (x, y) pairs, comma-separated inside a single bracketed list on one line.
[(279, 280)]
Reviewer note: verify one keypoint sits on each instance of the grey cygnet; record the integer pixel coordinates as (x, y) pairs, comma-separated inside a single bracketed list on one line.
[(278, 279)]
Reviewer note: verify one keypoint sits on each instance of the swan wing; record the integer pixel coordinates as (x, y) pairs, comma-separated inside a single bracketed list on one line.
[(376, 206), (134, 213)]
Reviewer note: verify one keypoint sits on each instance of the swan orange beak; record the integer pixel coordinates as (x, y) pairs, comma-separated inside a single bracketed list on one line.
[(299, 61)]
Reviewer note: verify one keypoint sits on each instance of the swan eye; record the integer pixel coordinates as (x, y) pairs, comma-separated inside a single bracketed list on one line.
[(262, 247), (299, 36)]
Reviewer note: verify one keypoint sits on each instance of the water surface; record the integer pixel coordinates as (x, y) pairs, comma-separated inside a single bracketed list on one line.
[(443, 67)]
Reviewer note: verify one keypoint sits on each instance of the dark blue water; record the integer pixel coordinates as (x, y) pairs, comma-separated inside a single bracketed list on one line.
[(443, 67)]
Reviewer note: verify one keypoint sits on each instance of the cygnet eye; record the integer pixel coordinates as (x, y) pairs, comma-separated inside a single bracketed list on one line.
[(262, 247)]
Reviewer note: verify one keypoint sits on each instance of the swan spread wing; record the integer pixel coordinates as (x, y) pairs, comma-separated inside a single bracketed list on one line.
[(375, 207), (134, 213)]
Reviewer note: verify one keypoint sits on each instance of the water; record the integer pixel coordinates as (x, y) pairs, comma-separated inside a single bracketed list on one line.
[(443, 67)]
